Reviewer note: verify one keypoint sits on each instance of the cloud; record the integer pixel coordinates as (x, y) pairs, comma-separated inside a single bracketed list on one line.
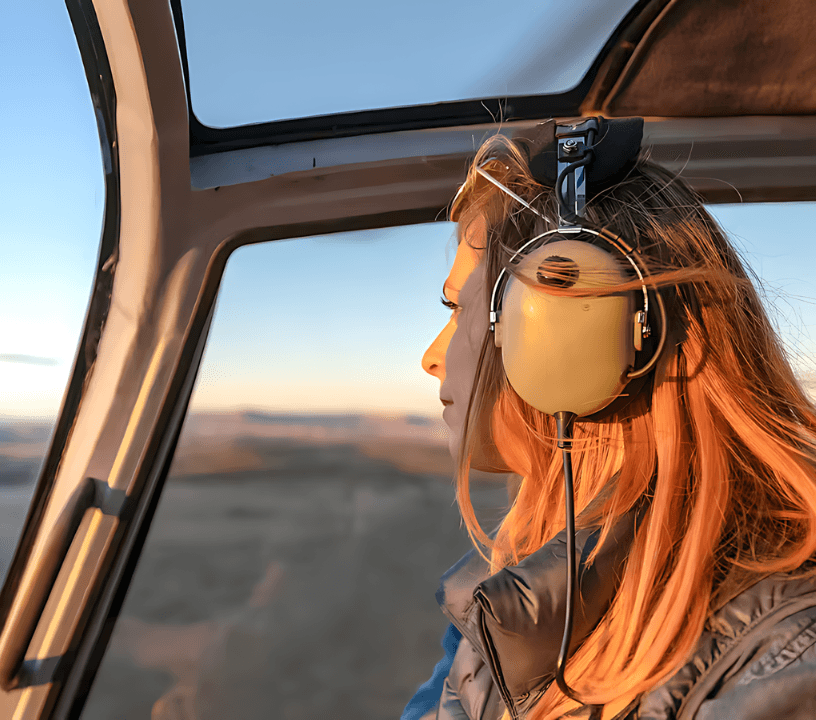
[(28, 359)]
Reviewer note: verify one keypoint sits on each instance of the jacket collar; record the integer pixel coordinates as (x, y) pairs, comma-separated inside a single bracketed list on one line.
[(515, 618)]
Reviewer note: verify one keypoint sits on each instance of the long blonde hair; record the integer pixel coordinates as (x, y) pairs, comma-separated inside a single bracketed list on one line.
[(721, 443)]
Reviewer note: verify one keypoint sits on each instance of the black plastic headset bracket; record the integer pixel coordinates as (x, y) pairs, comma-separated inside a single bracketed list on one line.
[(574, 143)]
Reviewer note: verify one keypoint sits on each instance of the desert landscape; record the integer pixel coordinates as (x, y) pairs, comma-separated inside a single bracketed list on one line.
[(290, 570)]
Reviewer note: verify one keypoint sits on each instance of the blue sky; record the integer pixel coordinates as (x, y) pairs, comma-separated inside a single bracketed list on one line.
[(367, 53), (278, 340)]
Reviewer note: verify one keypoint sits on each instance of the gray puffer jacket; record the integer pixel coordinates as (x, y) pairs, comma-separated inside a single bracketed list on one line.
[(756, 659)]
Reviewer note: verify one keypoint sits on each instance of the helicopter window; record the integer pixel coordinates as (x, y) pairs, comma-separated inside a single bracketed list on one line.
[(50, 240), (774, 241), (309, 512), (258, 70)]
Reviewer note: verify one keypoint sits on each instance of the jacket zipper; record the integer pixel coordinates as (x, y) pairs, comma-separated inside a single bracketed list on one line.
[(493, 664)]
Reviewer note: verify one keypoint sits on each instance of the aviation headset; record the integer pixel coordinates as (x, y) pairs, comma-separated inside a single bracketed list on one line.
[(573, 356)]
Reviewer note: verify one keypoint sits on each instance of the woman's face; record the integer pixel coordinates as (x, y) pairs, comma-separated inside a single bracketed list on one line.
[(454, 354)]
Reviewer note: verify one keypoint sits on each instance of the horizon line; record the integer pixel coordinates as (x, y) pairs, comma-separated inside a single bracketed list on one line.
[(369, 412)]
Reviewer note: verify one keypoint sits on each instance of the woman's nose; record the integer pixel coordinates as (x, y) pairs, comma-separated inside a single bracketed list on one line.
[(433, 361)]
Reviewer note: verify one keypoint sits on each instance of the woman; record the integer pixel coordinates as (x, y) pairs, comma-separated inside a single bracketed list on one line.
[(695, 494)]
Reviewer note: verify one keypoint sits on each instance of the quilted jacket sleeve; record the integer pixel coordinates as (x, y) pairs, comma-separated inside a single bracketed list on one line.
[(778, 681), (789, 693)]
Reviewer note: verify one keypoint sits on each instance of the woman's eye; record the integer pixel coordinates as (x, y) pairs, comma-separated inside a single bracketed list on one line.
[(448, 303)]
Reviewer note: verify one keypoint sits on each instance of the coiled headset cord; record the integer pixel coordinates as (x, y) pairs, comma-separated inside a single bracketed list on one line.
[(564, 422)]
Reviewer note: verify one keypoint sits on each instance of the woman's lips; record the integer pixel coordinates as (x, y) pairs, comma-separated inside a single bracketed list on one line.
[(446, 402)]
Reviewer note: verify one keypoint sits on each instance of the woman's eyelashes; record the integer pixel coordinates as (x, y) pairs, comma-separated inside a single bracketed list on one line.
[(449, 303)]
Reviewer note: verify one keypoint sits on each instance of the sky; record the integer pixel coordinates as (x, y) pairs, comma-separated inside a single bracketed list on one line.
[(257, 71), (280, 341)]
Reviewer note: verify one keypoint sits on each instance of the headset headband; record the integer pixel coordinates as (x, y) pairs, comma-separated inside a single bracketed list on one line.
[(570, 166), (612, 147)]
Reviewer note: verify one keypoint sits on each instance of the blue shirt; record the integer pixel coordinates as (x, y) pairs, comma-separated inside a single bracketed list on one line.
[(431, 690)]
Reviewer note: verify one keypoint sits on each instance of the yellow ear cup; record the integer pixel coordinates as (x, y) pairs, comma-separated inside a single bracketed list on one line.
[(567, 354)]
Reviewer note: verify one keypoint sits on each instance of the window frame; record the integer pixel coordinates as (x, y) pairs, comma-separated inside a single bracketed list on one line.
[(175, 209)]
